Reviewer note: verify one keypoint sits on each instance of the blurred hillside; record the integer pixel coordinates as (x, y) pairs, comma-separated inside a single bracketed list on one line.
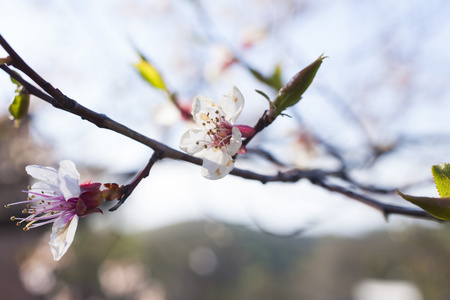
[(207, 260)]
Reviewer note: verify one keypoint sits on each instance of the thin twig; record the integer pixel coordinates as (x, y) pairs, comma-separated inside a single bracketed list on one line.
[(129, 188)]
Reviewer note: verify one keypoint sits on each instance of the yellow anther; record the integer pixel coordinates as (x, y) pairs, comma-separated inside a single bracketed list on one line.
[(12, 218)]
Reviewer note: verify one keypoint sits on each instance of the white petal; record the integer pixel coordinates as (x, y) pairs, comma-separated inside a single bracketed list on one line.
[(232, 104), (46, 187), (203, 106), (45, 174), (69, 179), (189, 139), (235, 141), (217, 163), (62, 236)]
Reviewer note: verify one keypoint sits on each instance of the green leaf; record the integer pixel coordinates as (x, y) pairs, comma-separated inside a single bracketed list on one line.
[(441, 174), (274, 81), (19, 107), (438, 207), (150, 74)]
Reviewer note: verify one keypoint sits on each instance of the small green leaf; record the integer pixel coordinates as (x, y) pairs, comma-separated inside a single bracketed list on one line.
[(15, 81), (150, 74), (274, 81), (264, 95), (441, 174), (19, 107), (438, 207)]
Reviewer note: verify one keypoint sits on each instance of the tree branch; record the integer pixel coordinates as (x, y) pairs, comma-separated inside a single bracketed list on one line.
[(61, 101)]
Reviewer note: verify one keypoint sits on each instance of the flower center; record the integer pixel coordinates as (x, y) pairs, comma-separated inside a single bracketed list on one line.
[(218, 129)]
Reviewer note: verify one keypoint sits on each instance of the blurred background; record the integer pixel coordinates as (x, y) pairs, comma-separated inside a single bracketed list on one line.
[(378, 107)]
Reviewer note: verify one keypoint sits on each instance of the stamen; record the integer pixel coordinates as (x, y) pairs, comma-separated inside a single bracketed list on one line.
[(13, 218)]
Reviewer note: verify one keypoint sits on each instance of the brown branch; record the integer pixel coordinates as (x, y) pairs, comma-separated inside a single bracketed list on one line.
[(61, 101), (129, 188)]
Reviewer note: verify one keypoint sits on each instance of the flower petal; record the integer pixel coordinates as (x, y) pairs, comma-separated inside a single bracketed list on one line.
[(217, 163), (232, 104), (63, 232), (45, 174), (194, 141), (69, 179), (203, 106), (235, 141), (45, 189)]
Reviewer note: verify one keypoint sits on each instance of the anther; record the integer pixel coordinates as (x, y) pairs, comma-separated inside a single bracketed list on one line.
[(13, 218), (6, 206)]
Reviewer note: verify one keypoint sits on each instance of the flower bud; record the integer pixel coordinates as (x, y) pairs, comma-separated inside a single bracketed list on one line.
[(292, 92)]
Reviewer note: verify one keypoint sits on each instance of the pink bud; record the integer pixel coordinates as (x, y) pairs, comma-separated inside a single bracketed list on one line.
[(247, 131)]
